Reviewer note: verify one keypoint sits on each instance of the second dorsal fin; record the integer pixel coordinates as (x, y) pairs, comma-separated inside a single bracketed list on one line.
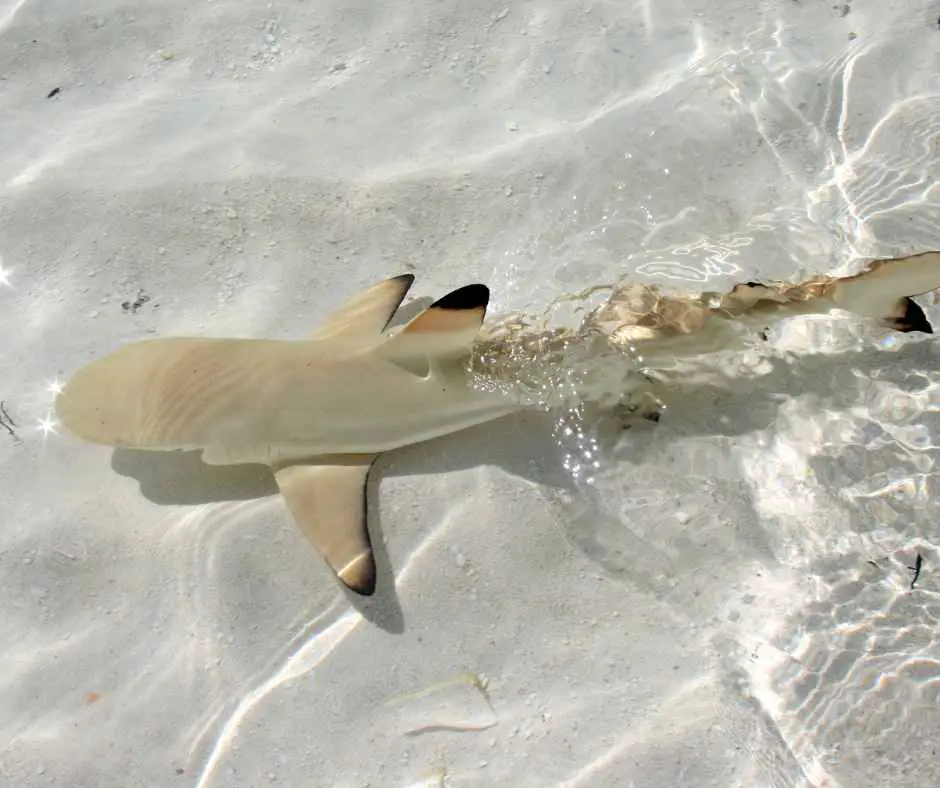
[(368, 312)]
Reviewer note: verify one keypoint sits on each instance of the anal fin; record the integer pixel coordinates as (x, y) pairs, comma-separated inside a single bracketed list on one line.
[(327, 498)]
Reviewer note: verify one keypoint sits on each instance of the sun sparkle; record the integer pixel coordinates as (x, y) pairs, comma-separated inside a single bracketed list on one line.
[(47, 425)]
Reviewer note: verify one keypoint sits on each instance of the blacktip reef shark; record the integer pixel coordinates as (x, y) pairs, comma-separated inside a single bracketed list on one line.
[(319, 410)]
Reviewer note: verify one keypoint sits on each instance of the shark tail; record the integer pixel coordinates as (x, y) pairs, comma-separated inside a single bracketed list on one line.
[(885, 290)]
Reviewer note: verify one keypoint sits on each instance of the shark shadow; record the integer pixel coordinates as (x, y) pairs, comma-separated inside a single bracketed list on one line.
[(521, 445)]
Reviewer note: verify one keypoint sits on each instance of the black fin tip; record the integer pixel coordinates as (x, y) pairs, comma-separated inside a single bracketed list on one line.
[(913, 319), (468, 297)]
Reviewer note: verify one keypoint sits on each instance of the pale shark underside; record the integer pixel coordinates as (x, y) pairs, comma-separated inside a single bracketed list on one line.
[(318, 411)]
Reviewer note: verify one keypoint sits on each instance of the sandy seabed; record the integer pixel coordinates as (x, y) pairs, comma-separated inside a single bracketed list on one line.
[(726, 604)]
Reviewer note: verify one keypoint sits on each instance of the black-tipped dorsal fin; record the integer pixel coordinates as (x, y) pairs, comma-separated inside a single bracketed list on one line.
[(368, 312), (327, 498), (447, 327)]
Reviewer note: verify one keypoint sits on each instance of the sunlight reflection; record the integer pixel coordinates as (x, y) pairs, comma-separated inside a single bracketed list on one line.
[(304, 660), (311, 654), (637, 734), (47, 425), (11, 12)]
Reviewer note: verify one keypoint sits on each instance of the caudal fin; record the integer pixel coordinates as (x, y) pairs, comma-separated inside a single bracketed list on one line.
[(885, 289)]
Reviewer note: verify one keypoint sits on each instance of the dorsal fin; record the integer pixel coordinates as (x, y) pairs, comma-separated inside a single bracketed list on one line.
[(447, 327), (368, 312)]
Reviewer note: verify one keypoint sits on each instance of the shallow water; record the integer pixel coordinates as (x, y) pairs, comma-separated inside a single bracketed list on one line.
[(720, 598)]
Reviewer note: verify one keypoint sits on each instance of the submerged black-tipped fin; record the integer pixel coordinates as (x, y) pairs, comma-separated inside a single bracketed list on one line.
[(884, 291), (912, 318)]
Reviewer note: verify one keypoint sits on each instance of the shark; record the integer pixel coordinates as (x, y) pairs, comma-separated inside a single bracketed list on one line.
[(319, 410)]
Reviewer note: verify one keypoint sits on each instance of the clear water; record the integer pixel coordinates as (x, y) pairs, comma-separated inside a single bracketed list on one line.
[(721, 598)]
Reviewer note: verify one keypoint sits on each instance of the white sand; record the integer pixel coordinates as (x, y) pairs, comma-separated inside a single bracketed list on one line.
[(703, 616)]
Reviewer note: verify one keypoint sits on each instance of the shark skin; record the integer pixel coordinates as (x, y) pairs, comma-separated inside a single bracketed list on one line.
[(318, 411), (665, 326)]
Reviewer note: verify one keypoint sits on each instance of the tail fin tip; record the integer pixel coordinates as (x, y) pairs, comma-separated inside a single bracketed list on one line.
[(911, 318)]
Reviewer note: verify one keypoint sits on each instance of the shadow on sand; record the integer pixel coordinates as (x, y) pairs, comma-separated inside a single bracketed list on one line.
[(525, 445)]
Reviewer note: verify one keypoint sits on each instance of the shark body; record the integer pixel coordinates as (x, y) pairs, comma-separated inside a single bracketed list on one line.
[(318, 411)]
